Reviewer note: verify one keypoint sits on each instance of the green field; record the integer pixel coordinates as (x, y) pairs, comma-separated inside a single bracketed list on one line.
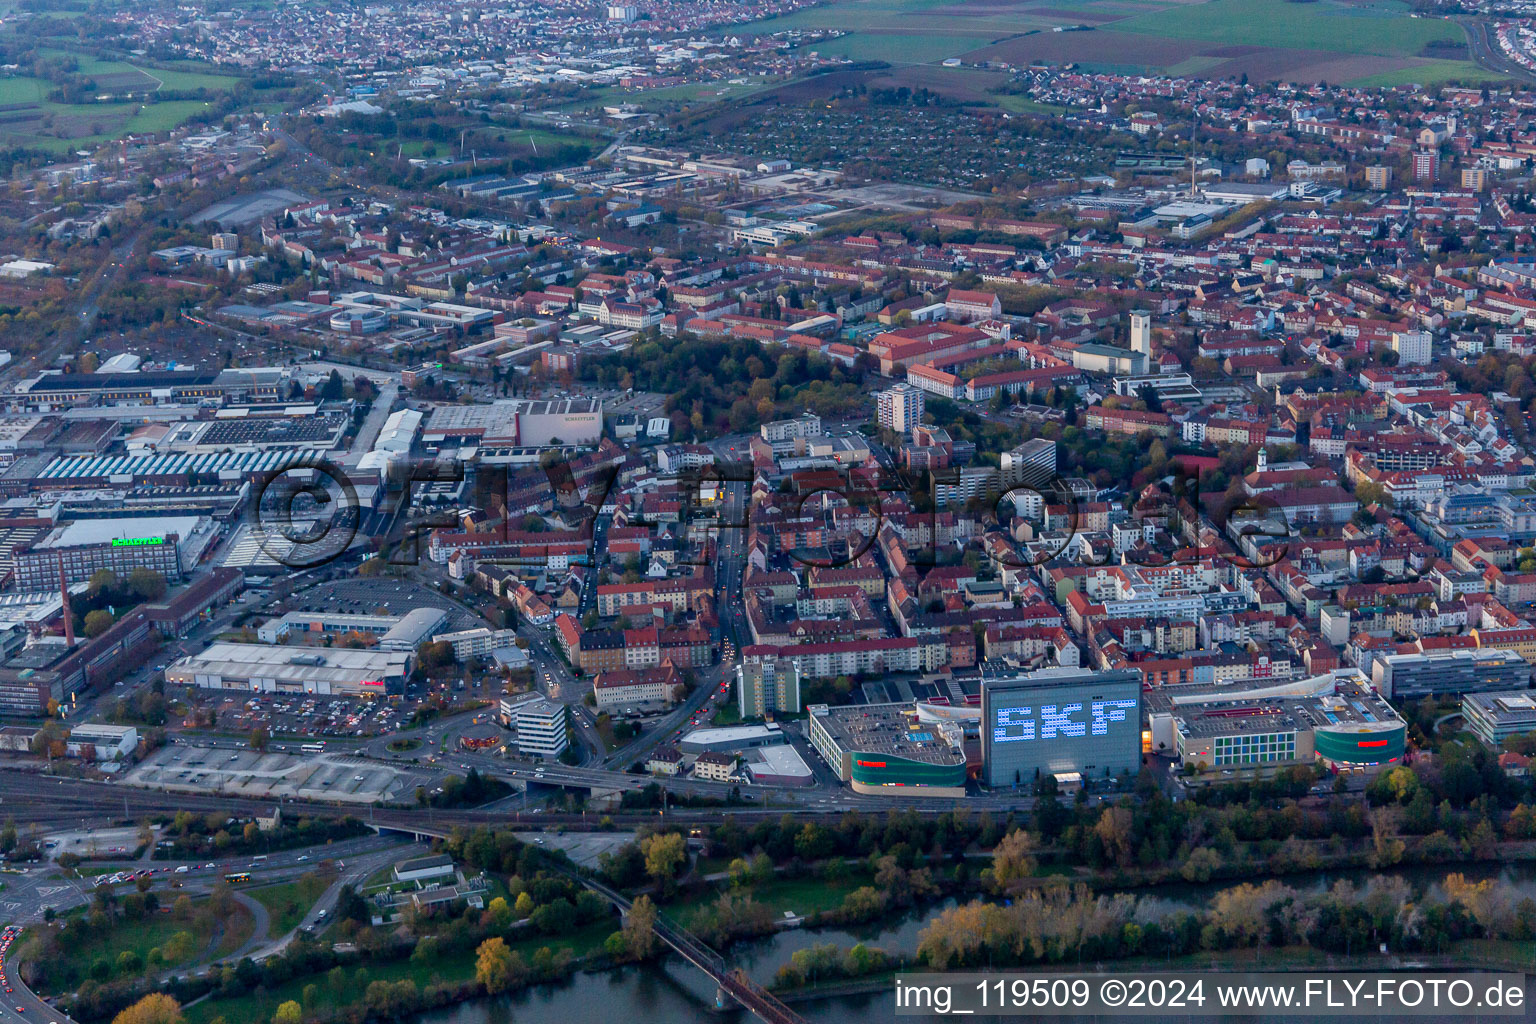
[(1430, 73), (1269, 39), (186, 81), (287, 902), (1313, 26), (852, 14), (62, 127), (1025, 105), (22, 90), (896, 48), (83, 125), (804, 896), (154, 931), (188, 75)]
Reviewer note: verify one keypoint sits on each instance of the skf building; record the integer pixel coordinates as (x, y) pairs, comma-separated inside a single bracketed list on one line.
[(1058, 721), (1337, 718)]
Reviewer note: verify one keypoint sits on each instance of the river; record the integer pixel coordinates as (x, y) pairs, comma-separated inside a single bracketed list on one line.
[(672, 992)]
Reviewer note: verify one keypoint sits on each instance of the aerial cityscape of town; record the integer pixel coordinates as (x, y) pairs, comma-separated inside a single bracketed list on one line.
[(726, 510)]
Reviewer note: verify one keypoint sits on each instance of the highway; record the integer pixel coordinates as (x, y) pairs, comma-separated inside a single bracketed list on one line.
[(1486, 51)]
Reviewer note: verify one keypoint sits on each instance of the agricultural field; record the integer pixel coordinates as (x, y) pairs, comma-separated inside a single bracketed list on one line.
[(895, 47), (28, 117), (1370, 42), (61, 127), (1325, 25)]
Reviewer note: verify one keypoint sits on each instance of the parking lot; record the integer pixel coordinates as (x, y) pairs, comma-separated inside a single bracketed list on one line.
[(92, 842), (300, 715), (251, 774), (583, 848)]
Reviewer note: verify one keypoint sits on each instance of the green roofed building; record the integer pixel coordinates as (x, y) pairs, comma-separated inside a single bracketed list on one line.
[(889, 749)]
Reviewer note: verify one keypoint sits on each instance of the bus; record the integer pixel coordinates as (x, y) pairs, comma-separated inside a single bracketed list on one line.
[(313, 748), (238, 876)]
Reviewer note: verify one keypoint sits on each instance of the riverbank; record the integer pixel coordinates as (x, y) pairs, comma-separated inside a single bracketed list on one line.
[(1471, 955)]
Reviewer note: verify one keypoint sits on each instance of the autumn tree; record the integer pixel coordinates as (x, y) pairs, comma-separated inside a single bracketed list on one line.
[(1114, 830), (664, 854), (493, 966), (155, 1008), (289, 1012), (640, 929), (498, 916), (1200, 865), (1013, 860)]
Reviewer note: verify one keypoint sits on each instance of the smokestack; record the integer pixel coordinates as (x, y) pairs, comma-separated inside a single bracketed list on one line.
[(69, 615)]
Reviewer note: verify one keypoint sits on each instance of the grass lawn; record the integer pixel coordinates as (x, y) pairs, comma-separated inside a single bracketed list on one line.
[(155, 931), (1326, 25), (728, 713), (805, 896), (288, 902), (1433, 73), (258, 1007), (383, 876)]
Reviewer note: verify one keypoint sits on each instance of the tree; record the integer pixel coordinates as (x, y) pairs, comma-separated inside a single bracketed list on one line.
[(1201, 863), (155, 1008), (98, 622), (1114, 831), (289, 1012), (102, 579), (498, 915), (493, 966), (146, 584), (640, 928), (664, 854), (334, 389), (435, 656), (258, 738), (1013, 860)]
